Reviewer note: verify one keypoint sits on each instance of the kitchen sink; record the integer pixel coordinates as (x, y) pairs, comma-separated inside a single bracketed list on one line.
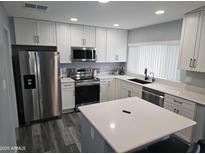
[(140, 81)]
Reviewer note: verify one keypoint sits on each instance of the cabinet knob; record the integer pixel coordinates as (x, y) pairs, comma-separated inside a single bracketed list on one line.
[(116, 57), (194, 63)]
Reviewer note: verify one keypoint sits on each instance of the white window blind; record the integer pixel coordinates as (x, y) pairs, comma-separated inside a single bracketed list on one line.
[(160, 58)]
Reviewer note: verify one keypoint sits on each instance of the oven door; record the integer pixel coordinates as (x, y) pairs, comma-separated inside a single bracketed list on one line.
[(83, 54), (86, 92)]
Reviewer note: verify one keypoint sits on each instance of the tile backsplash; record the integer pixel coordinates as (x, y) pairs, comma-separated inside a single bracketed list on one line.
[(104, 68)]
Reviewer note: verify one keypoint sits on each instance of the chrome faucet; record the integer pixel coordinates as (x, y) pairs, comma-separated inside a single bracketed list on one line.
[(147, 76), (153, 79)]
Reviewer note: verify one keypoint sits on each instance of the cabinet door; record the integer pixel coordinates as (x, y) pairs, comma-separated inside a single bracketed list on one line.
[(200, 55), (134, 94), (25, 31), (101, 44), (104, 90), (124, 92), (68, 96), (186, 134), (76, 35), (112, 89), (47, 33), (63, 42), (112, 45), (122, 45), (188, 40), (116, 45), (89, 36)]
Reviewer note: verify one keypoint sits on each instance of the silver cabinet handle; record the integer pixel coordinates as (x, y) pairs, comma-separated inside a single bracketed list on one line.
[(36, 39), (178, 102), (84, 41), (194, 63), (129, 93), (190, 63)]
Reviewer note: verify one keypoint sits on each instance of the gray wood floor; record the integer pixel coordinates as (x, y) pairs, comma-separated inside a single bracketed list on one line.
[(60, 135)]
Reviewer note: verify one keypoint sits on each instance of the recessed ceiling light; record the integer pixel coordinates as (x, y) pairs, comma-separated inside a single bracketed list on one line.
[(116, 25), (103, 1), (73, 19), (158, 12)]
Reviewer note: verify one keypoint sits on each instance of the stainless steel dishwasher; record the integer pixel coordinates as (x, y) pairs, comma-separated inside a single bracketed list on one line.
[(153, 96)]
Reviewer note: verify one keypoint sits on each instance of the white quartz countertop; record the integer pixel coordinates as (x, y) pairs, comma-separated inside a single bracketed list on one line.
[(125, 132), (168, 89), (67, 79)]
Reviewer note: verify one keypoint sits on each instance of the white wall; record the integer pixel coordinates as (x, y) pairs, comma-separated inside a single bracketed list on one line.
[(166, 32), (8, 112), (160, 32)]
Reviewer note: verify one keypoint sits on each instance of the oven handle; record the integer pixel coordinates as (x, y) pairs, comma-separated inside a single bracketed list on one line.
[(81, 84)]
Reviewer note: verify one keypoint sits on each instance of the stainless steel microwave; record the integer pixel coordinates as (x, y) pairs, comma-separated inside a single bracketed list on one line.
[(83, 54)]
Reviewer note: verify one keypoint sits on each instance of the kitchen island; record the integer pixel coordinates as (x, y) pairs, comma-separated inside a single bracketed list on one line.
[(126, 125)]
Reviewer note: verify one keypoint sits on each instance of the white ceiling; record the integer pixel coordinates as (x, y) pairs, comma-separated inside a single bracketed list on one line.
[(129, 14)]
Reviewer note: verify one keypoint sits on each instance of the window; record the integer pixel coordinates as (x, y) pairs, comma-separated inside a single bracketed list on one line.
[(160, 58)]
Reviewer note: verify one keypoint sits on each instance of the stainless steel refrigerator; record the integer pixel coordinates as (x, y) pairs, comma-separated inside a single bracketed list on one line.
[(40, 84)]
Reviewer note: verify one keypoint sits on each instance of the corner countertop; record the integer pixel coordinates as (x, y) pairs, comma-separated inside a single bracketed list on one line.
[(125, 132), (180, 92), (67, 79)]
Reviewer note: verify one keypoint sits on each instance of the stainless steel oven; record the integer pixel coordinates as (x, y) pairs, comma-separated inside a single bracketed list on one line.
[(87, 91), (87, 87), (83, 54)]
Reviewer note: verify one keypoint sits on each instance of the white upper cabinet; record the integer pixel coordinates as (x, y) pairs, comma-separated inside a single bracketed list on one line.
[(46, 32), (25, 31), (82, 36), (63, 42), (193, 42), (116, 45), (77, 35), (188, 40), (89, 36), (200, 55), (101, 44), (34, 32)]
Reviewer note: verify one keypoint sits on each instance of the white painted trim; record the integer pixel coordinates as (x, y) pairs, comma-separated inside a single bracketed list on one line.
[(155, 42)]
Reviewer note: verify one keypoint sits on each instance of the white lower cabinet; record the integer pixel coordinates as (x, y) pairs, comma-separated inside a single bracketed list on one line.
[(184, 108), (68, 95), (107, 90), (125, 89)]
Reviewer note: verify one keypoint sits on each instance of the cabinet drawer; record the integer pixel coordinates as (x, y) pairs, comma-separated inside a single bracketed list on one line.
[(104, 82), (182, 103), (67, 85), (178, 110), (130, 85)]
